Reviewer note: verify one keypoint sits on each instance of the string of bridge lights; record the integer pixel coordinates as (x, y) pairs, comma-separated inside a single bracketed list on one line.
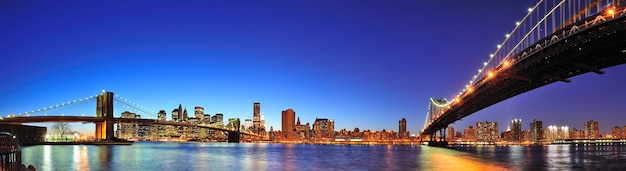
[(34, 111), (505, 61), (128, 104)]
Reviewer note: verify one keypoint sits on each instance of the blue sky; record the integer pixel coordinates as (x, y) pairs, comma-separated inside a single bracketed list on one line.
[(366, 64)]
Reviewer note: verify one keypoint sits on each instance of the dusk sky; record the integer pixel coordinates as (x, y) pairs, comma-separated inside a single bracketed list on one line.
[(365, 64)]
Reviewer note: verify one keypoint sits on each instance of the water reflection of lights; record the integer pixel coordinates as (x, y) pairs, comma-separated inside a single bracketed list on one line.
[(81, 157), (445, 159), (47, 159)]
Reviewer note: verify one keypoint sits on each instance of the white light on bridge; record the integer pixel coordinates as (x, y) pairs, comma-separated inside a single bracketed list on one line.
[(499, 46), (485, 63), (530, 9), (507, 35), (517, 23)]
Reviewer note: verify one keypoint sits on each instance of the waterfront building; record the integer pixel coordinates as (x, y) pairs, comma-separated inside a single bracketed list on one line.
[(469, 133), (288, 122), (127, 130), (323, 129), (591, 130), (161, 129), (536, 130), (526, 135), (576, 134), (554, 132), (450, 135), (194, 132), (617, 132), (256, 116), (516, 129), (487, 131), (198, 112), (302, 131), (402, 128)]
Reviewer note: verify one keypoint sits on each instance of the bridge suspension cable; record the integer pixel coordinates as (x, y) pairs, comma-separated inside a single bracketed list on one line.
[(132, 106), (539, 26), (57, 106)]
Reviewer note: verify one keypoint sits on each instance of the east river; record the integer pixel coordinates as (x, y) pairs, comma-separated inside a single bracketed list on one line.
[(250, 156)]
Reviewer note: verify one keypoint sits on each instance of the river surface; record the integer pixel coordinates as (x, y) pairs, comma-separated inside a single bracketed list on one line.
[(249, 156)]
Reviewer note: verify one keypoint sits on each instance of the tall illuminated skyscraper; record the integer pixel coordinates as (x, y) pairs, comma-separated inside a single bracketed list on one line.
[(591, 129), (536, 130), (516, 129), (402, 128)]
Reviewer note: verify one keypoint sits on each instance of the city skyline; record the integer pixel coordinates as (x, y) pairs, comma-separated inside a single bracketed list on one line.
[(350, 61)]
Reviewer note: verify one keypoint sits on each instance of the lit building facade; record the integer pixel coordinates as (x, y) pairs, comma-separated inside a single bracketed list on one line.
[(402, 128), (487, 131), (162, 115), (302, 132), (127, 130), (617, 132), (556, 133), (451, 136), (591, 130), (469, 134), (536, 130), (323, 129), (516, 129)]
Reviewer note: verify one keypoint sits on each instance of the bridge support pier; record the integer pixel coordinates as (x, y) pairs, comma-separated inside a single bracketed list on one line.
[(235, 136), (104, 109)]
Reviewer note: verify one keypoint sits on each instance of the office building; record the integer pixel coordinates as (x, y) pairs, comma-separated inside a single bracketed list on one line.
[(516, 129), (402, 128), (487, 131), (591, 130), (288, 122), (198, 112), (256, 115), (536, 130)]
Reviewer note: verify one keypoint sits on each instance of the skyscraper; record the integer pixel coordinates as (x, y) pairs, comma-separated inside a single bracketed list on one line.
[(198, 112), (180, 112), (516, 129), (402, 128), (591, 129), (450, 134), (536, 130), (288, 121), (617, 132), (162, 115), (487, 131), (185, 115), (256, 115), (175, 114)]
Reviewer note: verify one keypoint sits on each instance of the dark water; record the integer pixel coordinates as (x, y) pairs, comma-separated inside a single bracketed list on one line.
[(225, 156)]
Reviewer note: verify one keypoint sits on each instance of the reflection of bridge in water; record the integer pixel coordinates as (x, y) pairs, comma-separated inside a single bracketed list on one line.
[(555, 41), (104, 119)]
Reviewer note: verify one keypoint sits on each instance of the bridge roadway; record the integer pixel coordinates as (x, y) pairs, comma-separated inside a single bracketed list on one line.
[(38, 119), (589, 50)]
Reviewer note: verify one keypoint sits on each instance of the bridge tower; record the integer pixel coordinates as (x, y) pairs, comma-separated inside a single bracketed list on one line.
[(104, 109), (234, 136)]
